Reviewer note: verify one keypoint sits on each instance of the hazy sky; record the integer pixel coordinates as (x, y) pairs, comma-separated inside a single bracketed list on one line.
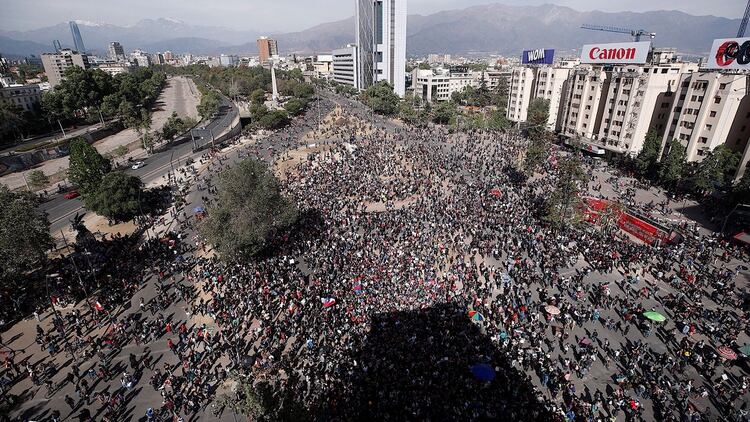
[(289, 15)]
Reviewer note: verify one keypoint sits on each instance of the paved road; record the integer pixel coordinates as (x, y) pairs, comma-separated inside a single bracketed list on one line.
[(61, 210)]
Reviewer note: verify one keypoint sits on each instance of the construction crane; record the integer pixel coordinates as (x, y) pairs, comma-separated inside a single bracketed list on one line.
[(635, 33), (743, 24)]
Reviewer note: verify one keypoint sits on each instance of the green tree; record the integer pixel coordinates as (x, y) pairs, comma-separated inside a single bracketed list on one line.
[(424, 66), (273, 120), (381, 99), (540, 140), (117, 197), (209, 104), (37, 179), (444, 113), (719, 167), (87, 167), (648, 158), (258, 96), (24, 235), (249, 210), (497, 121), (295, 106), (672, 166), (741, 191), (11, 120), (564, 200)]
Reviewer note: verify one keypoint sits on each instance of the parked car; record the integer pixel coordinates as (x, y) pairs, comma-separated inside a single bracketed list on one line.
[(72, 194)]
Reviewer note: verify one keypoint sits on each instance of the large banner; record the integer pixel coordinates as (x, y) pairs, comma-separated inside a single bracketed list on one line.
[(730, 53), (538, 56), (616, 53)]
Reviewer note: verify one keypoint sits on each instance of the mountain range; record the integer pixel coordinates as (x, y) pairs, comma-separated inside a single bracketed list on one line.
[(487, 29)]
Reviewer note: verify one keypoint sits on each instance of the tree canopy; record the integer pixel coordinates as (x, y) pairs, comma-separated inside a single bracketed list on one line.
[(117, 197), (672, 165), (717, 169), (249, 210), (24, 234), (87, 167), (647, 161), (381, 99)]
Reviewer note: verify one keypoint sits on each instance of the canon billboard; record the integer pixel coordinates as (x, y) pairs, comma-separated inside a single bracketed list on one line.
[(730, 53), (616, 53), (538, 56)]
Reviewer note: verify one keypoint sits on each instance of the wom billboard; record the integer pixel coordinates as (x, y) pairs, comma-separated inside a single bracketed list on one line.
[(730, 53), (538, 56), (616, 53)]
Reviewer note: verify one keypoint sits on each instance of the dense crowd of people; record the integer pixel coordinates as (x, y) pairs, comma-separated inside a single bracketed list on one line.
[(430, 289)]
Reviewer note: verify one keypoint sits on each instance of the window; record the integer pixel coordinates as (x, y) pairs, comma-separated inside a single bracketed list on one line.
[(712, 114), (709, 127), (722, 86), (717, 100), (703, 139), (699, 152), (664, 70)]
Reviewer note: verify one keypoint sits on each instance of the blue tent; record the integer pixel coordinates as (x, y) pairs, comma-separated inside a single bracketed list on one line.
[(483, 372)]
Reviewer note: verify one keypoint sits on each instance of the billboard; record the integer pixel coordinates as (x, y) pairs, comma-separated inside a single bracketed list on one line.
[(616, 53), (730, 53), (538, 56)]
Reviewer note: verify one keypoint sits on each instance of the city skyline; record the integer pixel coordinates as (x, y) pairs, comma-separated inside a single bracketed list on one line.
[(287, 15)]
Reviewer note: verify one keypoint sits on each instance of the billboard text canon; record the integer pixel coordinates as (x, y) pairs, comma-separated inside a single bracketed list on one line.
[(616, 53)]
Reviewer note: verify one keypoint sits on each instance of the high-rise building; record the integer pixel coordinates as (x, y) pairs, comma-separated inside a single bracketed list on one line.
[(345, 65), (267, 48), (709, 109), (116, 52), (613, 107), (528, 83), (55, 64), (141, 58), (381, 43), (77, 39)]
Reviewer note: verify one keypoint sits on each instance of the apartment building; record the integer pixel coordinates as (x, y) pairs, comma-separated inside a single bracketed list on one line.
[(345, 69), (614, 106), (55, 64), (710, 109), (528, 83)]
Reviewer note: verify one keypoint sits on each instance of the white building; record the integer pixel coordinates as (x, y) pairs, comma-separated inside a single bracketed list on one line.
[(710, 109), (140, 58), (55, 64), (529, 83), (114, 69), (345, 69), (381, 42), (116, 52), (614, 107), (228, 60), (26, 97)]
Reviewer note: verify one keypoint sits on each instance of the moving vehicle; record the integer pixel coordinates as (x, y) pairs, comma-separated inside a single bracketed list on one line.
[(138, 164), (72, 194)]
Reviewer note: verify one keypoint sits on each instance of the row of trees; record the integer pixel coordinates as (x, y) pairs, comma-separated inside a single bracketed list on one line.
[(669, 168), (412, 110), (92, 94)]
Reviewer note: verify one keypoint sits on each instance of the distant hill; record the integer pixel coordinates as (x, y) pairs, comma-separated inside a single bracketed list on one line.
[(492, 28)]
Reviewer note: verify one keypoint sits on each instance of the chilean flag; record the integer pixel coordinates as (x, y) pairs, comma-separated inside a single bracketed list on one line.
[(328, 301), (98, 306)]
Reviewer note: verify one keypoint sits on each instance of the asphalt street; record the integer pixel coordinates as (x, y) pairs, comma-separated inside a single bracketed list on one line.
[(61, 210)]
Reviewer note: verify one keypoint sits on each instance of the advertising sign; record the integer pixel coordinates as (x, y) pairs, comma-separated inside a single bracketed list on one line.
[(616, 53), (730, 53), (538, 56)]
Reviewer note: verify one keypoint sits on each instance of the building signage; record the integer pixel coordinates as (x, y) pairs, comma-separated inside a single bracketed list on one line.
[(538, 56), (730, 53), (616, 53)]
